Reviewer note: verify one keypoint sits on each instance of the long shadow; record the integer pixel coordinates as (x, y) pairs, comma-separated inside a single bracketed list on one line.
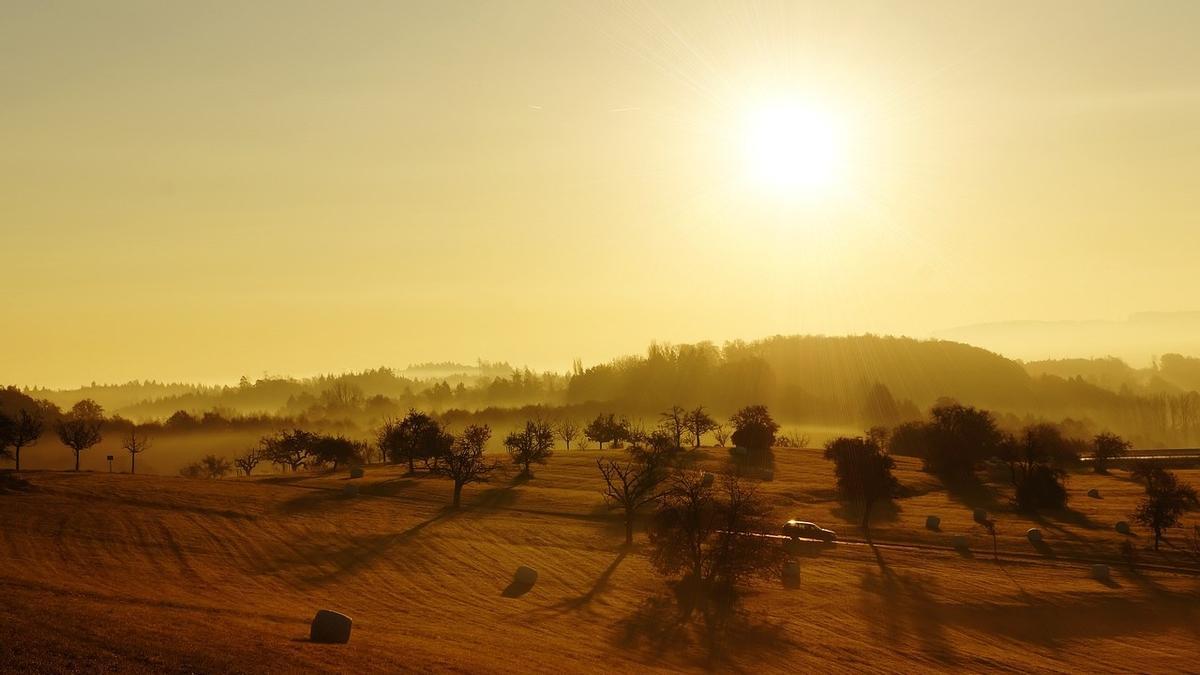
[(883, 512), (659, 627), (598, 587), (973, 493), (388, 488), (358, 553), (904, 604)]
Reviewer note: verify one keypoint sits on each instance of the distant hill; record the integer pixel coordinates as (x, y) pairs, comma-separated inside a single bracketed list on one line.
[(1136, 340)]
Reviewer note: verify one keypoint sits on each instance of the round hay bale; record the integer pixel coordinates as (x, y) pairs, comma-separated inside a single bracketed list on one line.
[(1100, 572), (1034, 535), (981, 515), (1122, 527), (1094, 493), (356, 472), (707, 479), (933, 523), (525, 576), (960, 541), (350, 490), (330, 627)]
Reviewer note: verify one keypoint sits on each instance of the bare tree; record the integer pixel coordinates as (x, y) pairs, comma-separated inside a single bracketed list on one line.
[(465, 463), (531, 445), (79, 429), (249, 459), (706, 531), (567, 430), (699, 422), (629, 486), (24, 431), (675, 422), (135, 446), (720, 434)]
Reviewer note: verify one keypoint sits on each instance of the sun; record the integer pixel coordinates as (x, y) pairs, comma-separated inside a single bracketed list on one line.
[(794, 150)]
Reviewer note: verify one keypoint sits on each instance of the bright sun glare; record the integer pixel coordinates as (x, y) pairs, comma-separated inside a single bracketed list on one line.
[(794, 150)]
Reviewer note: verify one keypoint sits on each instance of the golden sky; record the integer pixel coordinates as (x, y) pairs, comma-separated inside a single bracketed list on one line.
[(196, 191)]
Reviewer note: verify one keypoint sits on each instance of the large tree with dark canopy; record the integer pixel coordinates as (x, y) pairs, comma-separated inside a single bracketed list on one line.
[(79, 429), (864, 473), (753, 428)]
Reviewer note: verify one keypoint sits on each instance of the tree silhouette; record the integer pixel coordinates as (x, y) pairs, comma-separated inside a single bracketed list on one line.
[(531, 445), (704, 531), (864, 473), (1165, 502), (699, 422), (567, 430), (465, 463), (720, 434), (674, 422), (417, 436), (79, 428), (1107, 447), (249, 459), (135, 446), (754, 429), (291, 448), (606, 428), (629, 486), (336, 450), (23, 430)]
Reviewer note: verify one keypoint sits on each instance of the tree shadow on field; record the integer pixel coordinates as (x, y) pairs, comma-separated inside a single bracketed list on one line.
[(973, 493), (335, 558), (598, 587), (388, 488), (311, 500), (660, 628), (904, 605), (885, 511)]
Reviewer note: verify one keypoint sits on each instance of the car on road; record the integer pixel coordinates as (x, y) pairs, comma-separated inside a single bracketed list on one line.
[(802, 529)]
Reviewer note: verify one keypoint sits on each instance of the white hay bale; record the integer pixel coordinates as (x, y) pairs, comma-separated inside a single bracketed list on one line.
[(981, 515), (933, 522), (330, 627), (1122, 527), (960, 541), (1034, 535), (525, 576), (707, 479), (1100, 572), (350, 490), (1094, 493), (356, 472)]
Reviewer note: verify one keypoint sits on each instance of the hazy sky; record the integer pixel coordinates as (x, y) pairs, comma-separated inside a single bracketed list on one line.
[(202, 190)]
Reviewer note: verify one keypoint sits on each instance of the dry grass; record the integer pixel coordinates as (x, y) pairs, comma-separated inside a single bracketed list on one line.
[(140, 573)]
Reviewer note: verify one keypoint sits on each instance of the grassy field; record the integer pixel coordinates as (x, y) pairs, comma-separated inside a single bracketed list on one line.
[(143, 573)]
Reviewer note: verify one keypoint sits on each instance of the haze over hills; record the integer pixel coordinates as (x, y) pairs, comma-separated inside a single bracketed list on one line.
[(1137, 340), (815, 385)]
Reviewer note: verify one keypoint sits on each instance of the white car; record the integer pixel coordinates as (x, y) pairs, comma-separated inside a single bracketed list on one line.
[(802, 529)]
